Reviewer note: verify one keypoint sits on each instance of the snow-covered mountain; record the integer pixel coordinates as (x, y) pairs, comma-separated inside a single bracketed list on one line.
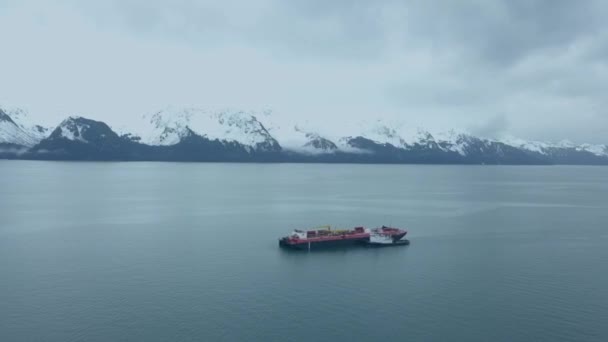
[(298, 137), (409, 138), (317, 143), (193, 134), (171, 126), (382, 132), (528, 145), (78, 138), (547, 148), (16, 129), (77, 131)]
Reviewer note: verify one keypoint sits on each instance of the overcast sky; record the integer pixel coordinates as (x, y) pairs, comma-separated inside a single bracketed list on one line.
[(532, 69)]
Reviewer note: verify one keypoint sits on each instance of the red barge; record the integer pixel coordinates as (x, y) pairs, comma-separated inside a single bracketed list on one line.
[(325, 237)]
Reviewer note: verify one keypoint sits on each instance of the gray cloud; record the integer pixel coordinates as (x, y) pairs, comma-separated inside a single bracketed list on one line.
[(531, 68), (496, 126)]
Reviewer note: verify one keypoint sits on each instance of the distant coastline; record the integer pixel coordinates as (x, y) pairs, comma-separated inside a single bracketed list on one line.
[(277, 158), (240, 137)]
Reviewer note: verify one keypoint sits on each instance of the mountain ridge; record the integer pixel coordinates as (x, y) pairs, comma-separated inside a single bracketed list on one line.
[(193, 134)]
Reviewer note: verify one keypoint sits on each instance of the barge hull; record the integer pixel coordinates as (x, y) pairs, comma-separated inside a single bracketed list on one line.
[(315, 245)]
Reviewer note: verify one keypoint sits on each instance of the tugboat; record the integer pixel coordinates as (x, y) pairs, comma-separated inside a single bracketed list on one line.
[(385, 237), (325, 237)]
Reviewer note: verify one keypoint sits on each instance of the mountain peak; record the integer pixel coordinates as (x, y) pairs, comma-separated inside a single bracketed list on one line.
[(77, 128), (172, 125), (15, 129)]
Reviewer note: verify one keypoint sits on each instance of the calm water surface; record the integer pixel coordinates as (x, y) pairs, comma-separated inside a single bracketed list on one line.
[(178, 252)]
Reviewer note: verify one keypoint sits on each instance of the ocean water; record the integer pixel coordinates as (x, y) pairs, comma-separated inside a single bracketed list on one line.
[(189, 252)]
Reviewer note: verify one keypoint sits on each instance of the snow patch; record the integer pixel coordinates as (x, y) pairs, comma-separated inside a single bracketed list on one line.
[(598, 150), (455, 141), (73, 129)]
